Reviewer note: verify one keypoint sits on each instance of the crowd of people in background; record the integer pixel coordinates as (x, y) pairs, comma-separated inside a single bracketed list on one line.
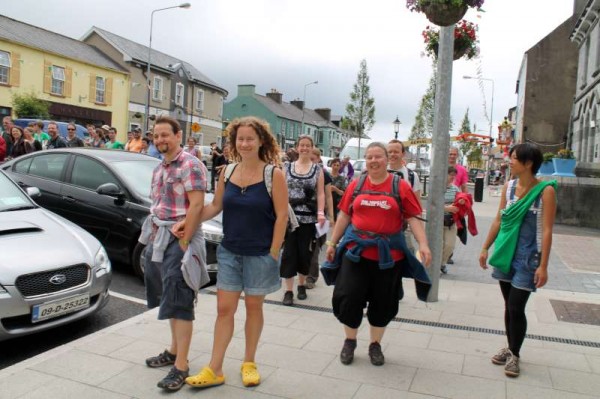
[(16, 141)]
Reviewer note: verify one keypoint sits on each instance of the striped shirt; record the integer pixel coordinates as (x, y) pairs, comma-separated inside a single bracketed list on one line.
[(170, 183)]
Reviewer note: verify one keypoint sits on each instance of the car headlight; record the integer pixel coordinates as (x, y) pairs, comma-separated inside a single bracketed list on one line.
[(101, 262), (212, 234)]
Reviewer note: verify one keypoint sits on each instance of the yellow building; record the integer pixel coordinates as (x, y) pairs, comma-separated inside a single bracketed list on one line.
[(81, 83)]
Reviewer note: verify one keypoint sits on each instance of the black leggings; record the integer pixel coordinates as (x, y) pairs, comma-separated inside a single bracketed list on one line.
[(515, 320)]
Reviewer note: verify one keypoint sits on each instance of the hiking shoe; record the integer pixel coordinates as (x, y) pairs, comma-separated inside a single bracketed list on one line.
[(310, 283), (288, 298), (377, 358), (501, 357), (347, 354), (174, 380), (450, 261), (164, 359), (301, 292), (512, 365), (444, 269)]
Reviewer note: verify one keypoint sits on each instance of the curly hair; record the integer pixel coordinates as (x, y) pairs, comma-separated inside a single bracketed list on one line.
[(269, 149)]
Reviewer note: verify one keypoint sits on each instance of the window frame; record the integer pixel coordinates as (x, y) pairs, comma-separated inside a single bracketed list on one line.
[(199, 100), (102, 92), (57, 82), (5, 68), (157, 94), (179, 93)]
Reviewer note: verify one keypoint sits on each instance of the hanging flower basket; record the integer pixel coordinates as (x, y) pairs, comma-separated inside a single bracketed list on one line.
[(465, 41), (444, 14)]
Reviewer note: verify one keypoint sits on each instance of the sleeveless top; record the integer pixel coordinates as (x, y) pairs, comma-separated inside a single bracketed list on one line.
[(530, 234), (302, 191), (248, 219)]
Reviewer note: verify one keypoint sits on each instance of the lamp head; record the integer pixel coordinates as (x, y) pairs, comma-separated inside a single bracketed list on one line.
[(185, 5), (397, 124)]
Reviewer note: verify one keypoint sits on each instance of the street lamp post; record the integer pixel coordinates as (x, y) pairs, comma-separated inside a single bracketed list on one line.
[(304, 105), (148, 82), (397, 124), (492, 104)]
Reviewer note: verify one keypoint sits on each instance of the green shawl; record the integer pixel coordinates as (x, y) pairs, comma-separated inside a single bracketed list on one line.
[(510, 224)]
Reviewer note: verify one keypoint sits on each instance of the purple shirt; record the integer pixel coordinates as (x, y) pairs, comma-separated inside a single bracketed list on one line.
[(170, 183)]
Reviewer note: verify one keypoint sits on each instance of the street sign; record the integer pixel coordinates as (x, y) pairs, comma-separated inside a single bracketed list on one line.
[(196, 127)]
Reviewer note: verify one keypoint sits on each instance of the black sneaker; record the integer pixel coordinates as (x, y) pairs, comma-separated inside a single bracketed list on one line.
[(347, 354), (444, 269), (288, 298), (164, 359), (301, 292), (450, 261), (377, 358), (174, 380)]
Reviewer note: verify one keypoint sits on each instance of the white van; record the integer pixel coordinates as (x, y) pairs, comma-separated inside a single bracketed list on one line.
[(351, 148)]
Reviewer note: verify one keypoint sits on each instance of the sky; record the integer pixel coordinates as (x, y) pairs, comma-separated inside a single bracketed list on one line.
[(285, 44)]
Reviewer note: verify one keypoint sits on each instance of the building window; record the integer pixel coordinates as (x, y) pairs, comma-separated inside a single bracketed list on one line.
[(4, 67), (58, 80), (100, 90), (157, 89), (179, 90), (283, 128), (200, 100)]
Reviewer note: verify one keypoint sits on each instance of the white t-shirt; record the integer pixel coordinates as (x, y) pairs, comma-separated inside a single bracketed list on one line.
[(404, 171)]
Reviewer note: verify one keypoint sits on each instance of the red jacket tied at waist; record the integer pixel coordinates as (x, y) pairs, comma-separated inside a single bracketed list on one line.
[(464, 203)]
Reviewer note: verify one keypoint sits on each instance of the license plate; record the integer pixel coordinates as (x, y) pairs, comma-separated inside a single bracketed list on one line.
[(50, 310)]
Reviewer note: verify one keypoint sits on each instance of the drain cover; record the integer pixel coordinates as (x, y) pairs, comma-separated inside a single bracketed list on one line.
[(577, 312)]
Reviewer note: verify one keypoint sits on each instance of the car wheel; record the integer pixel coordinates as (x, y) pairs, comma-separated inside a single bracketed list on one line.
[(136, 260)]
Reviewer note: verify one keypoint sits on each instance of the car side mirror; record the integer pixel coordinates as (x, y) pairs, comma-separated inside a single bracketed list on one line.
[(33, 192), (110, 189)]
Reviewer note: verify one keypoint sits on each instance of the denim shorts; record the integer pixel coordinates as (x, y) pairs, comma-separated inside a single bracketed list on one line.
[(522, 271), (255, 275), (165, 286)]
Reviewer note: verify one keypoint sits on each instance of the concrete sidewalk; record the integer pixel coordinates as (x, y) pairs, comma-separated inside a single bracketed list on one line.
[(434, 350)]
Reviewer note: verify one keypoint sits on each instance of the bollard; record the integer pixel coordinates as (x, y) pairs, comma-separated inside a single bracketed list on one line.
[(478, 195)]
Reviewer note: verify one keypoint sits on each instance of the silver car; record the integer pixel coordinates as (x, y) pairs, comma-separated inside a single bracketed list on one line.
[(52, 272)]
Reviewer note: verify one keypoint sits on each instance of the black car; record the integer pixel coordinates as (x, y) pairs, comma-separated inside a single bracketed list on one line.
[(107, 192)]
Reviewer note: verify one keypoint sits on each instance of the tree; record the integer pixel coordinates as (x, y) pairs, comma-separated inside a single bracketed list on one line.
[(423, 126), (360, 111), (465, 127), (28, 105)]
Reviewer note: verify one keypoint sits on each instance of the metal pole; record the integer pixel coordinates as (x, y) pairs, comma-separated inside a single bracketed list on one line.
[(148, 82), (439, 164), (491, 107)]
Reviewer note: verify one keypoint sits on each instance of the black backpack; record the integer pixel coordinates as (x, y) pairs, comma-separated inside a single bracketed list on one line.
[(411, 175)]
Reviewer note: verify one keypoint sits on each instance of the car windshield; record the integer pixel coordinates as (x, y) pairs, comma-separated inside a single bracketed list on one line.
[(11, 198), (137, 174)]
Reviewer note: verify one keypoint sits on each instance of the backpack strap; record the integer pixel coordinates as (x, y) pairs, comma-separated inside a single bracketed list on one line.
[(395, 190), (411, 177), (268, 177), (229, 171)]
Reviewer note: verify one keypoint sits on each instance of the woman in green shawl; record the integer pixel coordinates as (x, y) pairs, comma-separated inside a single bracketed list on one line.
[(522, 238)]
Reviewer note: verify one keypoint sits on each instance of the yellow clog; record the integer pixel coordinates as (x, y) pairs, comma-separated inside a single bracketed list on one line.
[(250, 376), (206, 378)]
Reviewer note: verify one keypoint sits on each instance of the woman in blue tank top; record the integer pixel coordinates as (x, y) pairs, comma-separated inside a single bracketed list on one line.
[(254, 223)]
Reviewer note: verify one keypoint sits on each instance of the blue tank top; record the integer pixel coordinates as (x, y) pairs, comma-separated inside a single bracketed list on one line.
[(248, 219)]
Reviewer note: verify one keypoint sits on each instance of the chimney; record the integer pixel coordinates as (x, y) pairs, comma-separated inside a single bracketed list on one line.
[(246, 90), (275, 96), (325, 113), (298, 103)]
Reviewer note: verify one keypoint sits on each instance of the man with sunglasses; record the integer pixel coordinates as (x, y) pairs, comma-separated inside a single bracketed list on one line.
[(72, 139)]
